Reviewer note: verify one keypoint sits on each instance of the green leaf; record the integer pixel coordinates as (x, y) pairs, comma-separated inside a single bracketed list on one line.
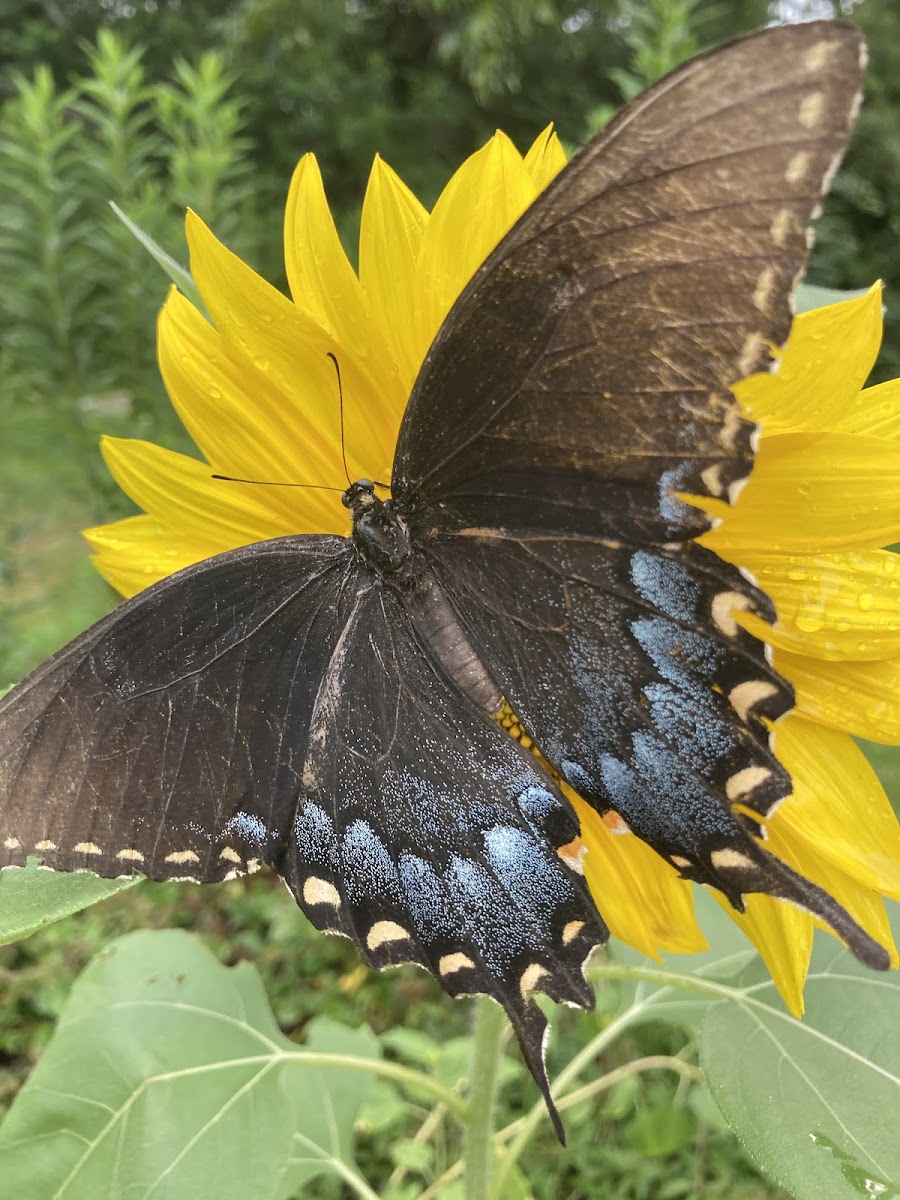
[(812, 1100), (31, 897), (168, 1075), (660, 1131), (181, 277)]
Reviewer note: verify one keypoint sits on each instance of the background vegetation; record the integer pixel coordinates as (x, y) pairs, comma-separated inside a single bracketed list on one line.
[(160, 104)]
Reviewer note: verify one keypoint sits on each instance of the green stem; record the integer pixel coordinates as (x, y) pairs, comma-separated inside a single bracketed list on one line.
[(490, 1025)]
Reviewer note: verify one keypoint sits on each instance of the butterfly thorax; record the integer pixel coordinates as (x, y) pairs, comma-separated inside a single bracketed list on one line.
[(380, 533)]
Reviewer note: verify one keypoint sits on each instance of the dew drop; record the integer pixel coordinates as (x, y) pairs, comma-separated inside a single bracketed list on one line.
[(803, 489), (865, 600), (261, 364), (842, 625), (809, 620), (797, 573), (214, 393)]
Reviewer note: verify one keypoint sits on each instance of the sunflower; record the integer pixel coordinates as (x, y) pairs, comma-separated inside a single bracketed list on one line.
[(258, 394)]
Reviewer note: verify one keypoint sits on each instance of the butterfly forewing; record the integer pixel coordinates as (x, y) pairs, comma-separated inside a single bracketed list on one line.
[(582, 378), (169, 739)]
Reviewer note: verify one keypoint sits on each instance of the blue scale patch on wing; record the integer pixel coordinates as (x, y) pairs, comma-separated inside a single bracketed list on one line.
[(425, 832), (630, 670)]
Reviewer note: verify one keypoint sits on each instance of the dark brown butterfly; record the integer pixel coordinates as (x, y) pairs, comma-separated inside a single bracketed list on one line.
[(325, 705)]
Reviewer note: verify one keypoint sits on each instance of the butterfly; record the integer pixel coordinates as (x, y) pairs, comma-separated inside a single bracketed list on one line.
[(326, 705)]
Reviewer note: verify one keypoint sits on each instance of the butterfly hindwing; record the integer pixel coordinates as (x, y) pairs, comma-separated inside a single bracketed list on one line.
[(581, 379), (629, 669), (169, 738), (428, 835)]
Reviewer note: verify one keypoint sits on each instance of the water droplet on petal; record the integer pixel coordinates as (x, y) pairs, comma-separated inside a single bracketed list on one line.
[(803, 489), (809, 620), (865, 600)]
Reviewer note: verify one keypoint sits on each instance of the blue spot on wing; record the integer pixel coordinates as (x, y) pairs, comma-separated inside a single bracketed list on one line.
[(315, 837), (667, 584), (367, 866), (249, 827)]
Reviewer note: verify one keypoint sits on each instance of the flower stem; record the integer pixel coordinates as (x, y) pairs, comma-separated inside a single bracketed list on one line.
[(490, 1025)]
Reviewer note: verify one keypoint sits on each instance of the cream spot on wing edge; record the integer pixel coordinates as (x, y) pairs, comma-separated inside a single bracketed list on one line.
[(712, 479), (680, 861), (797, 167), (722, 607), (45, 845), (784, 224), (752, 354), (320, 891), (530, 978), (765, 290), (12, 843), (571, 930), (809, 114), (818, 55), (182, 856), (385, 931), (449, 964), (86, 848), (746, 696), (741, 783), (730, 859), (229, 855), (130, 855)]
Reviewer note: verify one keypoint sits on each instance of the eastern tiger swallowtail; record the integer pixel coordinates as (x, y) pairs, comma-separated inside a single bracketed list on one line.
[(325, 704)]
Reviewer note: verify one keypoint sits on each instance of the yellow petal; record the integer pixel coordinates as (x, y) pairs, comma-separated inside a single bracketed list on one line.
[(476, 208), (545, 158), (862, 698), (876, 411), (783, 936), (838, 807), (137, 551), (865, 906), (639, 895), (324, 284), (831, 606), (811, 492), (272, 335), (180, 493), (827, 359), (243, 424), (390, 235)]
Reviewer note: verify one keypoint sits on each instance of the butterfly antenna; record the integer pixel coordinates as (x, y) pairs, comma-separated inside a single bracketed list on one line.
[(321, 487), (337, 368)]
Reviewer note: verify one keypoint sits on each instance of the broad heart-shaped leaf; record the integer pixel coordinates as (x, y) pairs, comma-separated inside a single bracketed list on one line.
[(31, 897), (168, 1078), (817, 1101)]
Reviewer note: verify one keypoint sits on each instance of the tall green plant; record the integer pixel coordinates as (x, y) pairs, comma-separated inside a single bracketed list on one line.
[(121, 151), (205, 148), (46, 302)]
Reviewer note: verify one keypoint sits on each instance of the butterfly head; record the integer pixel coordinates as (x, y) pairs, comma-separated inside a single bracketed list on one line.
[(360, 496)]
